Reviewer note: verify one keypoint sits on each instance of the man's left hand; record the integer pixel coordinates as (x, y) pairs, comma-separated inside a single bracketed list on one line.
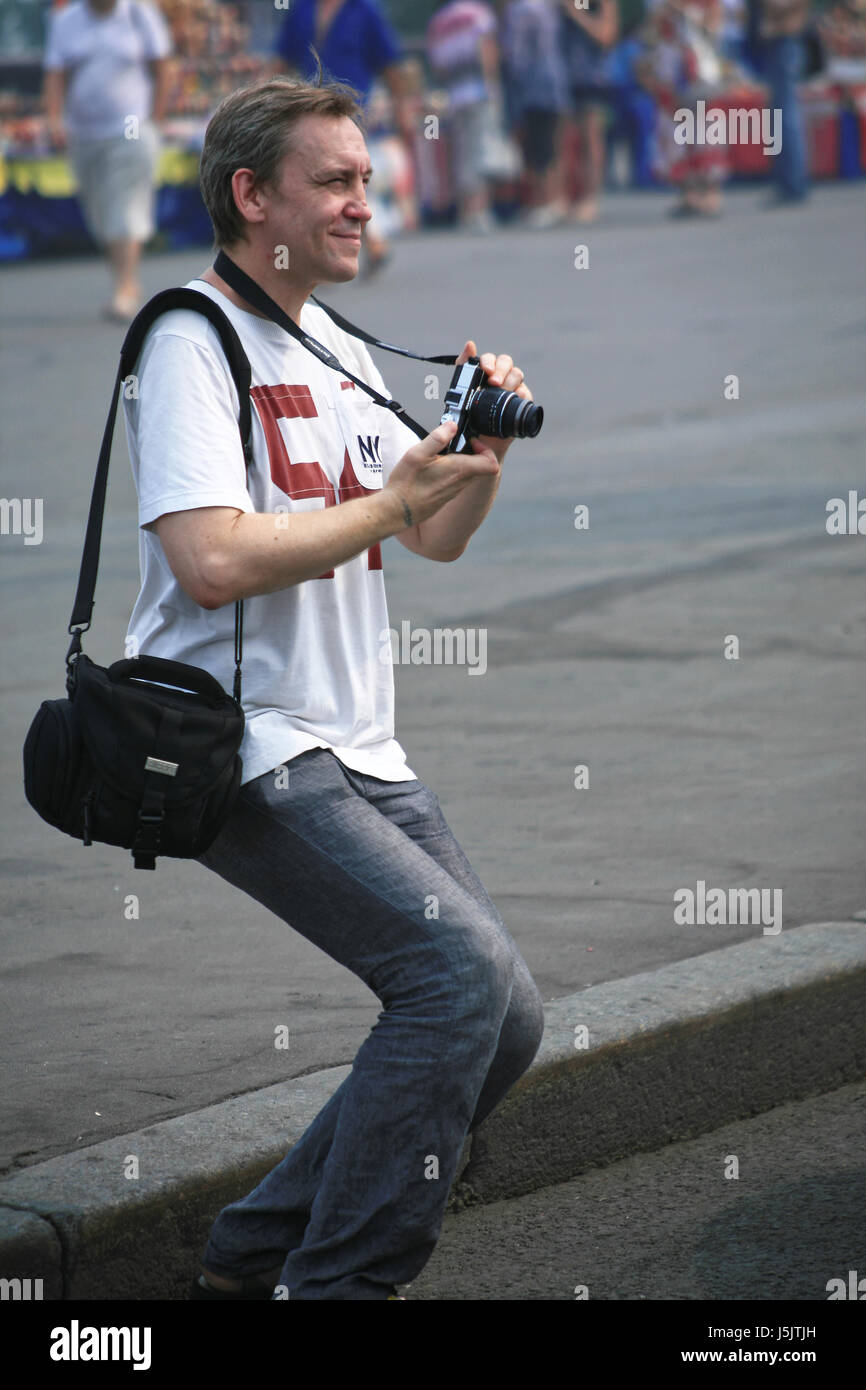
[(501, 372)]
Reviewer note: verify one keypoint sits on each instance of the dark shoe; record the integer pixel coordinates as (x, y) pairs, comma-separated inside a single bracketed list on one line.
[(785, 200)]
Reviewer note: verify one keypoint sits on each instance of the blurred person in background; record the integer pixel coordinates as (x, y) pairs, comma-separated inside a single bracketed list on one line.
[(536, 88), (356, 45), (733, 36), (782, 27), (106, 84), (464, 56), (683, 64), (587, 36)]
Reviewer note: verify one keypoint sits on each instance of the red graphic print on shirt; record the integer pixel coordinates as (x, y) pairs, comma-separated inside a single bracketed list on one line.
[(306, 479)]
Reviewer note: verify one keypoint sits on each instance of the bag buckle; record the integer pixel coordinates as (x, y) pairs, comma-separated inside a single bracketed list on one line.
[(161, 765)]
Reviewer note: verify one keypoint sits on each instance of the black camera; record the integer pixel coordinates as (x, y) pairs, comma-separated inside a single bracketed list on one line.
[(480, 409)]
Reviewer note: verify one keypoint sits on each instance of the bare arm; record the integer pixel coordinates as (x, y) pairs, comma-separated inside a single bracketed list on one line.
[(220, 554), (53, 96), (490, 59), (161, 74), (398, 85)]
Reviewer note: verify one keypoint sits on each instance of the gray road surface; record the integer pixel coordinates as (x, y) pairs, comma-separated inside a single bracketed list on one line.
[(769, 1208)]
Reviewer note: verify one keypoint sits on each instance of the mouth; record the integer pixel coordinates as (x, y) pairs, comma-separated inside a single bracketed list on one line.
[(354, 237)]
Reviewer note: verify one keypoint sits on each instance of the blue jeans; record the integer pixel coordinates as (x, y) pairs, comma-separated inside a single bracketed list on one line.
[(784, 63), (370, 872)]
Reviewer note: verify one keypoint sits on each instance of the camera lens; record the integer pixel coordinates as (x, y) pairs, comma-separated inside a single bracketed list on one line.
[(504, 415)]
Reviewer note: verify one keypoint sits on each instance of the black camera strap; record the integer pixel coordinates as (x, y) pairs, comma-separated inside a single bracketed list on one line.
[(253, 293)]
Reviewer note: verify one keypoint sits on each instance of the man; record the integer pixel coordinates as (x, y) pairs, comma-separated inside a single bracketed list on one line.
[(332, 831), (356, 45), (782, 27), (106, 63)]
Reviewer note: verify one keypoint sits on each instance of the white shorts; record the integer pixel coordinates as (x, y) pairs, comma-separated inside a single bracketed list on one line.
[(467, 136), (116, 184)]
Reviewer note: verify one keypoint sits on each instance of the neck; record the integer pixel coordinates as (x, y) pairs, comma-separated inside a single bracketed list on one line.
[(276, 283)]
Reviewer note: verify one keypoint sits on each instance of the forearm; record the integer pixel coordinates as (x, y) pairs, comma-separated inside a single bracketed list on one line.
[(449, 531), (490, 59), (266, 552), (398, 86), (161, 84), (52, 95)]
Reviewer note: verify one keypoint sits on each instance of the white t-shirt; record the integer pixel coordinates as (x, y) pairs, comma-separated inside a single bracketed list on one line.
[(316, 665), (107, 57)]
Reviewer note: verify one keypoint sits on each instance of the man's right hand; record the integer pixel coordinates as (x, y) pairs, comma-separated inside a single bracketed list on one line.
[(426, 478)]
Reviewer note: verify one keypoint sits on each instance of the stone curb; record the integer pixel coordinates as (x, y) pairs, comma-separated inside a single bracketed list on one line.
[(624, 1067)]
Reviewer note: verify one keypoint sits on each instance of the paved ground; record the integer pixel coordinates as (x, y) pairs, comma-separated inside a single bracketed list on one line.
[(604, 646), (770, 1208)]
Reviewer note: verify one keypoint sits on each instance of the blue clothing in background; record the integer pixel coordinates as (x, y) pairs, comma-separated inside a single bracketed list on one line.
[(532, 53), (785, 60), (358, 44), (587, 62)]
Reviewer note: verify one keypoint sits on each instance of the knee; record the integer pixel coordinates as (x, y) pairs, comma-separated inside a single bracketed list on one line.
[(483, 979)]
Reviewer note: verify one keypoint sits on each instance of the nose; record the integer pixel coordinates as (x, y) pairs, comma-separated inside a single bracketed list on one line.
[(359, 209)]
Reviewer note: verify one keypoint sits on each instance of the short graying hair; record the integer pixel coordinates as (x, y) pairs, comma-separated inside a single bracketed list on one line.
[(252, 129)]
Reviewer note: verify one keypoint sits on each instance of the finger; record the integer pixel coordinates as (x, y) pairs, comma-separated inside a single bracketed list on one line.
[(439, 439), (468, 351), (502, 366), (488, 362), (480, 449), (513, 380)]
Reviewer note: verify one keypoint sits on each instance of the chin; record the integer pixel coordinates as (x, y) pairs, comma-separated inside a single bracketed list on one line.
[(347, 271)]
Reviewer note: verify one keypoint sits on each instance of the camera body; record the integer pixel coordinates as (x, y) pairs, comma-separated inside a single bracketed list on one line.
[(481, 409)]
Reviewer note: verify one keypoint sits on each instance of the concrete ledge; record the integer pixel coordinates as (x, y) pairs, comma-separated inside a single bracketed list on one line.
[(678, 1052), (667, 1055), (31, 1254)]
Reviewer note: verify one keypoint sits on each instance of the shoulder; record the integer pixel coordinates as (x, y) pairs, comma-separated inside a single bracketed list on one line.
[(70, 17), (188, 327)]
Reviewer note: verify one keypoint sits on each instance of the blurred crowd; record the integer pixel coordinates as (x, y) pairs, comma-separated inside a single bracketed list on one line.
[(529, 91)]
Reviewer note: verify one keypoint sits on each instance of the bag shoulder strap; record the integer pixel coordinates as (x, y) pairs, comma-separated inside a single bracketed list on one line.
[(176, 298), (180, 298)]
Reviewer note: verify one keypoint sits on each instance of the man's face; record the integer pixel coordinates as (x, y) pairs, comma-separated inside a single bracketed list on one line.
[(318, 205)]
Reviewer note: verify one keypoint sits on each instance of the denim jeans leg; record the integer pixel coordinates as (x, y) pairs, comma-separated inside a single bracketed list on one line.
[(785, 61), (415, 808), (383, 1152)]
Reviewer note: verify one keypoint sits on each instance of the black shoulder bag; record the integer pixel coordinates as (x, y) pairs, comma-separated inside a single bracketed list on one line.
[(144, 754)]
